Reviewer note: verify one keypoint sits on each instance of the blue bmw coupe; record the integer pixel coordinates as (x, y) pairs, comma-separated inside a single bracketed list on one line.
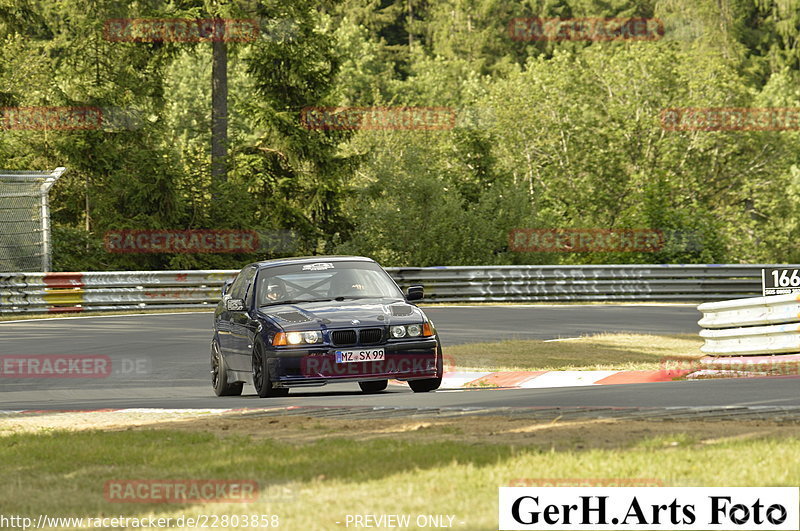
[(302, 322)]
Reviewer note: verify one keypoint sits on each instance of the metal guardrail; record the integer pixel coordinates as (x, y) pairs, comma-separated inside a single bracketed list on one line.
[(125, 290), (113, 290), (583, 283), (757, 325)]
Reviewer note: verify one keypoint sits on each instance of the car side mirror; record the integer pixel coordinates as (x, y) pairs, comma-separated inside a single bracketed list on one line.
[(226, 285), (415, 293), (234, 305)]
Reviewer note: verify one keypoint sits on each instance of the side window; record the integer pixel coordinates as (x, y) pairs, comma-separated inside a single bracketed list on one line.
[(250, 288), (239, 286)]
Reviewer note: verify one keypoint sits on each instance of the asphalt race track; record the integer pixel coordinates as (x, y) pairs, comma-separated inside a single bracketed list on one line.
[(161, 361)]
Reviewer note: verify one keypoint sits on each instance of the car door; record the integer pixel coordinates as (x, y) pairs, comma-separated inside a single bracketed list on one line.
[(223, 319), (239, 321)]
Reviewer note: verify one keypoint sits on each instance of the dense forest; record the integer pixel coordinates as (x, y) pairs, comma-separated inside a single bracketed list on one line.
[(545, 132)]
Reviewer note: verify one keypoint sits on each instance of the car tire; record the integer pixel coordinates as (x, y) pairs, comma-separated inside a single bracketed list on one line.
[(219, 375), (373, 387), (261, 378), (426, 385)]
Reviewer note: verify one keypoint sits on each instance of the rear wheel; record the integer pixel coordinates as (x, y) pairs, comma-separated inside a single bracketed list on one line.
[(261, 378), (373, 387), (423, 386), (219, 375)]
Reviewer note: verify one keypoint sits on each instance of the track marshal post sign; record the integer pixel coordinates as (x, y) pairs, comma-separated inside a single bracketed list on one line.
[(780, 281)]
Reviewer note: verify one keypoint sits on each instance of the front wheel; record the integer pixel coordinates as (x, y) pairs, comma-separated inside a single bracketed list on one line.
[(219, 375), (423, 386), (374, 386), (261, 379)]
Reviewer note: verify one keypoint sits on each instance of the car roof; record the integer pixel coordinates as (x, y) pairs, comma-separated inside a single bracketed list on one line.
[(311, 259)]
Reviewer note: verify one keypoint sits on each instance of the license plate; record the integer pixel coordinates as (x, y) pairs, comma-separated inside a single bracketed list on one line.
[(352, 356)]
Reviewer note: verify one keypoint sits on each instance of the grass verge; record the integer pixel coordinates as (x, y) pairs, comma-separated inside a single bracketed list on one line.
[(314, 471), (597, 352)]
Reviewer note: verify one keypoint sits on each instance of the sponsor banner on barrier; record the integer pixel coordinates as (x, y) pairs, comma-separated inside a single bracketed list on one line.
[(731, 119), (649, 508), (180, 30), (50, 118), (181, 491), (378, 118), (182, 241), (585, 29), (585, 240)]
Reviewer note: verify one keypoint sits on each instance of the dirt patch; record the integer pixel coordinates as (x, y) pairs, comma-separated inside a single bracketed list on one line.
[(557, 435), (101, 420)]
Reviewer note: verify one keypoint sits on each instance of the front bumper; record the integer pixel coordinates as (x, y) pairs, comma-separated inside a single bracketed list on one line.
[(315, 366)]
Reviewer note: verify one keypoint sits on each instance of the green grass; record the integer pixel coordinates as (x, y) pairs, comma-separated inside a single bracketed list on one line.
[(598, 352), (63, 473)]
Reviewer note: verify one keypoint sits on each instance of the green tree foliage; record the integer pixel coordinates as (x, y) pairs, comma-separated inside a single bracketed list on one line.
[(546, 134)]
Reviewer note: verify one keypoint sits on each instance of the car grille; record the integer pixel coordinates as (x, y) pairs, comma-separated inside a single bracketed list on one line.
[(343, 337), (364, 336), (370, 336)]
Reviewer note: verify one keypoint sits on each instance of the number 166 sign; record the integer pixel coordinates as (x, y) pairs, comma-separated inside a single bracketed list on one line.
[(780, 281)]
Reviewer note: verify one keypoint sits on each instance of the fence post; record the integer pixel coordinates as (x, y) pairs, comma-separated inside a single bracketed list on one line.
[(47, 248)]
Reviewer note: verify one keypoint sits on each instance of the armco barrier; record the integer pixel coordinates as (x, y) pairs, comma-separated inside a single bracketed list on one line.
[(757, 325), (113, 290), (77, 292), (583, 283)]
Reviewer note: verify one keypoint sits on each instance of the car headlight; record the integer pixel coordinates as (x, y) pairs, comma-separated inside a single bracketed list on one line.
[(297, 338), (294, 338), (412, 330), (313, 336)]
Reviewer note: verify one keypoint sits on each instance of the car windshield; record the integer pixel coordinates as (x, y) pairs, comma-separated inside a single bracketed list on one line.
[(316, 281)]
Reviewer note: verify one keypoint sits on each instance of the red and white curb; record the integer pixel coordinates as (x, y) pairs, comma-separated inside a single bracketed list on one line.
[(549, 379), (735, 367)]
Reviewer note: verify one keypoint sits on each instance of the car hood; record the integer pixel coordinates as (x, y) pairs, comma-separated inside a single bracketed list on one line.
[(341, 314)]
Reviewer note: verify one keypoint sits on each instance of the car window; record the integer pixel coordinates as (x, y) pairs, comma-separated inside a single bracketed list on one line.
[(249, 288), (239, 286), (324, 281)]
